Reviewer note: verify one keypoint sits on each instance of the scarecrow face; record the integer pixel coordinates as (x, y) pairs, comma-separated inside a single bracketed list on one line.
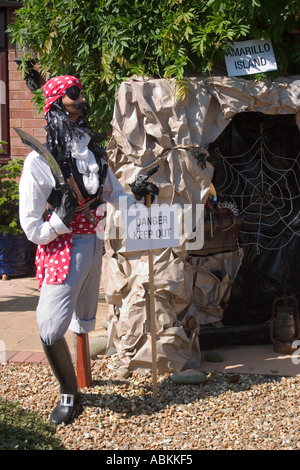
[(72, 100)]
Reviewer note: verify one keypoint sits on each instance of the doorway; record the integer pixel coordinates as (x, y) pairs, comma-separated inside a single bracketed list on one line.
[(257, 169)]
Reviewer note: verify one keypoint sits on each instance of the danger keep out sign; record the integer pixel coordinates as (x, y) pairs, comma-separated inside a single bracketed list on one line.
[(249, 57), (151, 227)]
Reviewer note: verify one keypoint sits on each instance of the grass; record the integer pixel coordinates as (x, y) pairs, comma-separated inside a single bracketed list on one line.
[(22, 429)]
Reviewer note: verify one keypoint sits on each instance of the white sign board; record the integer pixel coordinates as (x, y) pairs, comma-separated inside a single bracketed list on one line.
[(249, 57), (152, 227)]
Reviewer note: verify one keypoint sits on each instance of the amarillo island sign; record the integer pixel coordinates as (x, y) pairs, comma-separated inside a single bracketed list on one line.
[(249, 57)]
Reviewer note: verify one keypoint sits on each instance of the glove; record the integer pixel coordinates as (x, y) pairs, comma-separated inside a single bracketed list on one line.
[(66, 210), (141, 190), (141, 187)]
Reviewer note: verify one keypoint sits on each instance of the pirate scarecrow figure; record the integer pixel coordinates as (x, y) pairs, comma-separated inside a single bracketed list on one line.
[(66, 225)]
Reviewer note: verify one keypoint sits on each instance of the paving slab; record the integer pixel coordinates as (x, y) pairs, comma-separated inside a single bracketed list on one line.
[(257, 359), (18, 327)]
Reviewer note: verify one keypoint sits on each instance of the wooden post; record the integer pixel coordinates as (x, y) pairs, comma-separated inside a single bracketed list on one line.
[(83, 363), (152, 314)]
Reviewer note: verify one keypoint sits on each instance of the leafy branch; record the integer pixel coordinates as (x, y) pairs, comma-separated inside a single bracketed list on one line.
[(107, 41)]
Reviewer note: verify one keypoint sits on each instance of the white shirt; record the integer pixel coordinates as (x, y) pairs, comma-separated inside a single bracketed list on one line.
[(36, 184)]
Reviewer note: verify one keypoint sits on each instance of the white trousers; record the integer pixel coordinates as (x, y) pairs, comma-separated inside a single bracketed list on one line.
[(72, 304)]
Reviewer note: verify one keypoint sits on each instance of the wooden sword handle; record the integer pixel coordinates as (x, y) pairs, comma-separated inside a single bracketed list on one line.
[(86, 210)]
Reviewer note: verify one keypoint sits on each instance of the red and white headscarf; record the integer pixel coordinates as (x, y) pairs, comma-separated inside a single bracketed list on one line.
[(56, 88)]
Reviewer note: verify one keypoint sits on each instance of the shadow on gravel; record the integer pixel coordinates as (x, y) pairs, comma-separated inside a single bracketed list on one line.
[(124, 398)]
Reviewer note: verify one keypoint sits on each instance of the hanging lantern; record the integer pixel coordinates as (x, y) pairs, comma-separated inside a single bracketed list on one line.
[(285, 323)]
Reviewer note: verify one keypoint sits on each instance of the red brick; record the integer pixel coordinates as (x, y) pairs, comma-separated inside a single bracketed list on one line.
[(39, 130), (11, 52), (15, 85), (21, 356), (41, 138), (15, 104), (13, 66), (20, 95), (8, 355), (15, 75), (19, 151), (23, 86), (37, 357), (28, 114), (17, 113), (15, 141), (22, 112), (15, 123), (31, 123)]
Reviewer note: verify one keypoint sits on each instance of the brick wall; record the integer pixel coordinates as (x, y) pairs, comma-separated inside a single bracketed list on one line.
[(21, 109)]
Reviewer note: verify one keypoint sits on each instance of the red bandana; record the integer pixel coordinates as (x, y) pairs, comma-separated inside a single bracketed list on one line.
[(56, 88)]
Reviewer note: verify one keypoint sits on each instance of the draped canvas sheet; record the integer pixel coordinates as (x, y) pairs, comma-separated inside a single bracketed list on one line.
[(151, 126)]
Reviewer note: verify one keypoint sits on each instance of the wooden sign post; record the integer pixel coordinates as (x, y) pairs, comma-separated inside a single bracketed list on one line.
[(152, 314), (149, 228)]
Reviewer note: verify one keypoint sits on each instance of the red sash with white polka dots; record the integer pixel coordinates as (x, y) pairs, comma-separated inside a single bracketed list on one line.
[(57, 254)]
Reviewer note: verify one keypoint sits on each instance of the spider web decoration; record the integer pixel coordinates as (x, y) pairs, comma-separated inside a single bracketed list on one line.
[(265, 188)]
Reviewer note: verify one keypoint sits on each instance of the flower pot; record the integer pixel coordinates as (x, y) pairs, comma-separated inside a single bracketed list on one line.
[(15, 255)]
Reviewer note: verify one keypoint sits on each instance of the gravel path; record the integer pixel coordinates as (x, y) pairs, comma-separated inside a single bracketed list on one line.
[(238, 412)]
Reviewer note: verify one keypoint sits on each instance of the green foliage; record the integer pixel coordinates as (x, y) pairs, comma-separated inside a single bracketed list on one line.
[(107, 41), (9, 197), (22, 429)]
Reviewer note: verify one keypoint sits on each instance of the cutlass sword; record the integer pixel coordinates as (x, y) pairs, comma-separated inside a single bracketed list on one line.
[(32, 142), (36, 145)]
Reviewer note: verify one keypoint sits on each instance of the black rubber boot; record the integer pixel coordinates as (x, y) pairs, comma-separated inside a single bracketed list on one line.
[(60, 361)]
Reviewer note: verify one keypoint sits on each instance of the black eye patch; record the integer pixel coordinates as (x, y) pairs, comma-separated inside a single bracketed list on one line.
[(73, 92)]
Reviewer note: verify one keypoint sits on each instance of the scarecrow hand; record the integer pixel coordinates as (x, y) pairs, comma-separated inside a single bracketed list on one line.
[(141, 186), (66, 210)]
